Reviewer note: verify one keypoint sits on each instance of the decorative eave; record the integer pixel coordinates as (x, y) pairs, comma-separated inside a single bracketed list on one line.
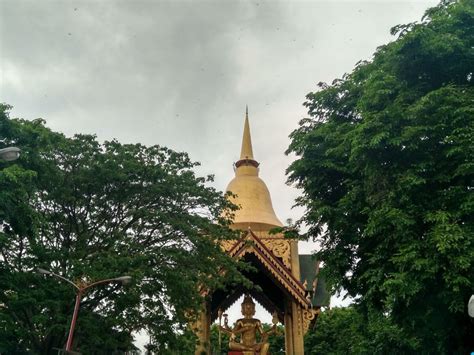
[(250, 243)]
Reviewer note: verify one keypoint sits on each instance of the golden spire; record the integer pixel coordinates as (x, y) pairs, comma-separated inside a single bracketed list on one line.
[(246, 152), (253, 196)]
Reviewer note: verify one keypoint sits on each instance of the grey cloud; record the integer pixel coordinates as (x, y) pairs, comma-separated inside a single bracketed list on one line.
[(171, 66), (180, 73)]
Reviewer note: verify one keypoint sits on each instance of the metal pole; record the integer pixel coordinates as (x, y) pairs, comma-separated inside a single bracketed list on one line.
[(73, 321), (81, 288)]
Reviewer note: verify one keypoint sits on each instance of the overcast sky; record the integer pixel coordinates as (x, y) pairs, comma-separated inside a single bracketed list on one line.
[(180, 73)]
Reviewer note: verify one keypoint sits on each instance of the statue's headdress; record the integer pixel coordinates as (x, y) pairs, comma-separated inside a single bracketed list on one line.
[(248, 299)]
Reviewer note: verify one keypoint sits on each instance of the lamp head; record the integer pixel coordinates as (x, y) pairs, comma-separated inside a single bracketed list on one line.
[(470, 307), (43, 271), (124, 279), (10, 153)]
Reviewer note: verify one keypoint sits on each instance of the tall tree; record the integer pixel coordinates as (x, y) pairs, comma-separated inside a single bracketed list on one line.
[(385, 164), (81, 208)]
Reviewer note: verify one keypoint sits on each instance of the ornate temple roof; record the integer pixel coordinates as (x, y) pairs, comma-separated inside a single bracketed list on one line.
[(252, 195), (273, 276)]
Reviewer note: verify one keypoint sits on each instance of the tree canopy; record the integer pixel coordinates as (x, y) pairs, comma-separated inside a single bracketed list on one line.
[(90, 210), (385, 164), (349, 330)]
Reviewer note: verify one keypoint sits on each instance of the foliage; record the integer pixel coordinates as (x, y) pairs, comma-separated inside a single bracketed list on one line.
[(88, 211), (224, 346), (348, 330), (184, 343), (385, 164), (277, 341)]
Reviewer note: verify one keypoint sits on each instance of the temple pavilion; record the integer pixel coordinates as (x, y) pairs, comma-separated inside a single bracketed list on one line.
[(289, 283)]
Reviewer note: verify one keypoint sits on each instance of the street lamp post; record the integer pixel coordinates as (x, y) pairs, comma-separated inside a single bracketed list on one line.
[(81, 288), (10, 153)]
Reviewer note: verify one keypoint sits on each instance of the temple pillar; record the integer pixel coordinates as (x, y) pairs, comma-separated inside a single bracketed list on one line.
[(298, 333), (288, 323)]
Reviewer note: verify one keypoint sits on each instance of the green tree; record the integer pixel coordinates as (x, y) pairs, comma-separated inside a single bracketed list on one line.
[(276, 341), (337, 331), (350, 331), (82, 208), (224, 347), (385, 164)]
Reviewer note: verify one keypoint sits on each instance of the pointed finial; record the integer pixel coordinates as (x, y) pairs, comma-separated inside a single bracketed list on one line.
[(246, 152)]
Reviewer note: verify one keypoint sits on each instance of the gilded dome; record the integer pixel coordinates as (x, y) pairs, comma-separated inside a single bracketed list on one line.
[(252, 195)]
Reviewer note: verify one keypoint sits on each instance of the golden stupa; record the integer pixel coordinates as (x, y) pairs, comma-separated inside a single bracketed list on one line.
[(252, 195), (284, 289)]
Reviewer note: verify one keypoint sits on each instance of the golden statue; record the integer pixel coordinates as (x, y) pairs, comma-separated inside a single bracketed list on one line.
[(248, 328)]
